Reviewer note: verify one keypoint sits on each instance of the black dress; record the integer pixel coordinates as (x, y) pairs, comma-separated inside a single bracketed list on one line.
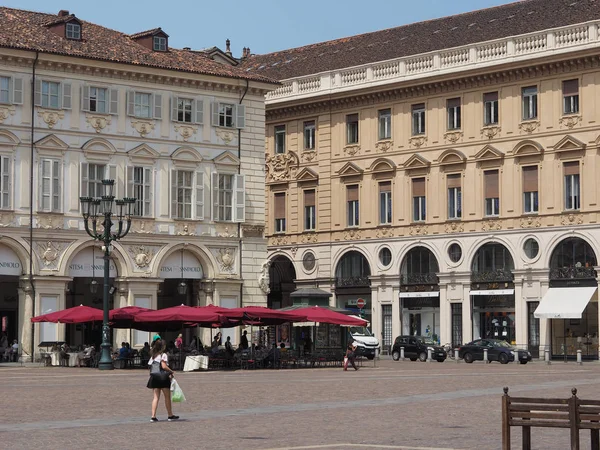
[(159, 382)]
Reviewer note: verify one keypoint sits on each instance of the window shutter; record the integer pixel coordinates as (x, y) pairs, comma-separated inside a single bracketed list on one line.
[(385, 186), (6, 183), (309, 197), (571, 87), (110, 172), (173, 193), (453, 181), (148, 191), (490, 97), (240, 116), (199, 196), (418, 187), (114, 101), (157, 106), (280, 206), (56, 187), (214, 182), (199, 113), (352, 193), (38, 93), (46, 185), (85, 98), (530, 179), (84, 191), (66, 95), (174, 103), (17, 88), (214, 112), (491, 184), (240, 198), (130, 179), (571, 168), (130, 103)]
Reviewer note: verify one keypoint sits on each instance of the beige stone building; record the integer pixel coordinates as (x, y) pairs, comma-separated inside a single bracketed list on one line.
[(445, 172), (180, 130)]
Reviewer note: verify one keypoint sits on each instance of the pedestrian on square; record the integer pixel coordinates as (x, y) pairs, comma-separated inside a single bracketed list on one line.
[(179, 341), (160, 379), (351, 355)]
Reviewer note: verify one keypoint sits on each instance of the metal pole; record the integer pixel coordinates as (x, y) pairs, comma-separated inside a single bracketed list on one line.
[(485, 356), (106, 362), (456, 355), (579, 361), (429, 355), (547, 356), (401, 353)]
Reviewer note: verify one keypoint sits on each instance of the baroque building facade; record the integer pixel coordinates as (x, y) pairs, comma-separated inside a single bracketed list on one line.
[(446, 173), (182, 131)]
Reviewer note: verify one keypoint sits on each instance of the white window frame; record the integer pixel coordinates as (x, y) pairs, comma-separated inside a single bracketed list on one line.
[(454, 196), (352, 130), (196, 110), (572, 192), (138, 104), (279, 132), (196, 195), (109, 172), (52, 180), (454, 118), (310, 217), (353, 213), (226, 111), (159, 43), (98, 102), (385, 123), (48, 96), (385, 207), (310, 134), (491, 112), (7, 90), (73, 31), (533, 202), (530, 105), (219, 115), (418, 121), (141, 185), (419, 208), (492, 207), (43, 100), (238, 198), (185, 106), (6, 176)]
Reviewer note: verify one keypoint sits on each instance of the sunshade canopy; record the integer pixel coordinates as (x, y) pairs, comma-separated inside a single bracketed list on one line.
[(564, 303), (77, 314), (182, 314)]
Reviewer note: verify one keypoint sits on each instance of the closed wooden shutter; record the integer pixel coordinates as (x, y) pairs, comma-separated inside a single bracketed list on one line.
[(490, 179), (418, 187), (280, 206), (453, 180), (530, 179), (571, 87), (352, 193), (386, 186), (309, 198), (490, 97), (571, 168)]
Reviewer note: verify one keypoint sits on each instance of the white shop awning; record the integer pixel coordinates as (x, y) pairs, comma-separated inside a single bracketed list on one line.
[(564, 303), (419, 294), (494, 292)]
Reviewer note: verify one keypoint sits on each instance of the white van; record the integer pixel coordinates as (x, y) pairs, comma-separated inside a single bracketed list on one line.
[(366, 344)]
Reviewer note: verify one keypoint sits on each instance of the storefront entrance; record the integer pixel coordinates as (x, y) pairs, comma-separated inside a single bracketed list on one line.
[(570, 335), (494, 317), (421, 316), (10, 270)]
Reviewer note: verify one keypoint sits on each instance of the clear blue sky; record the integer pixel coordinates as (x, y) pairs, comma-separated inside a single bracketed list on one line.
[(263, 25)]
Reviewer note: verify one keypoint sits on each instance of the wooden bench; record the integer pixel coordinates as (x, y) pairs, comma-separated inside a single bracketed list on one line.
[(571, 413)]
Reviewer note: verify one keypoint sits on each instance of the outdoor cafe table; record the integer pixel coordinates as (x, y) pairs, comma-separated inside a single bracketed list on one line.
[(195, 362), (55, 358)]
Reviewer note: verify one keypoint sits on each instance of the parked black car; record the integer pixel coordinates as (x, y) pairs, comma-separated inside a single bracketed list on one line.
[(415, 347), (497, 350)]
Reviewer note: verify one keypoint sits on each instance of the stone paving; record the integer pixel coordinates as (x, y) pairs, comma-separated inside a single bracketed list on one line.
[(396, 405)]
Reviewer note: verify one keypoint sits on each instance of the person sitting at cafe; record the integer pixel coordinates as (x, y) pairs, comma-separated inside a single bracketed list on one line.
[(63, 353), (179, 342), (273, 356), (11, 353), (145, 352), (214, 347), (86, 355), (244, 340), (282, 347), (229, 347), (123, 351)]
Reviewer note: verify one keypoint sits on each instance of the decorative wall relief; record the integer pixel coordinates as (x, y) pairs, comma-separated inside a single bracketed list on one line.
[(417, 141), (225, 231), (7, 220), (6, 111), (49, 222), (309, 156), (571, 219), (253, 231), (384, 232), (570, 121), (142, 226), (352, 234), (51, 117), (185, 131), (50, 253), (185, 229), (279, 240), (142, 255), (98, 122), (352, 150), (491, 225), (418, 230), (531, 222), (263, 277), (453, 136), (143, 127), (455, 227), (491, 131), (282, 166), (530, 126), (225, 135), (384, 146), (226, 258), (309, 238)]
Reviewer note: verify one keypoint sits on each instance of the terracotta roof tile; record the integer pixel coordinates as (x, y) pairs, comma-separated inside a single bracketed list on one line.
[(513, 19), (146, 33), (27, 30), (62, 19)]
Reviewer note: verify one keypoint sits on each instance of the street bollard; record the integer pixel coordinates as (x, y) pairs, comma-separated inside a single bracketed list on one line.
[(456, 355), (429, 355), (485, 357), (579, 358), (401, 353), (547, 356)]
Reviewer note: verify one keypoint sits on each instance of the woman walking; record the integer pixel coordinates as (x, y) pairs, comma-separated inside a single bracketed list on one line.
[(160, 379)]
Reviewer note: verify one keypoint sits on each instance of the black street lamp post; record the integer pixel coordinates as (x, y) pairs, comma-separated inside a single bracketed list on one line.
[(94, 209)]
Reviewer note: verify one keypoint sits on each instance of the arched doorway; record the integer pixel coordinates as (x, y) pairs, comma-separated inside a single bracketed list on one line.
[(352, 282), (281, 282), (420, 293), (10, 270), (493, 293), (573, 281)]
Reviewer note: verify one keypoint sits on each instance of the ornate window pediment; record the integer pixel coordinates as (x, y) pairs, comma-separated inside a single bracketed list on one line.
[(569, 144), (227, 159), (98, 149), (382, 165), (186, 157), (51, 145), (450, 157), (7, 139), (489, 153), (416, 161), (528, 148), (307, 174), (143, 152), (350, 170)]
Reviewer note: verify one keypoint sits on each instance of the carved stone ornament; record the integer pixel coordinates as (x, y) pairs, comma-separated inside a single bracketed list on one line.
[(529, 126), (223, 231), (309, 155), (570, 121), (455, 227), (185, 131), (309, 238), (278, 241), (530, 222), (384, 146), (453, 136), (491, 132), (226, 135), (385, 232), (142, 226), (418, 230), (50, 253), (49, 222), (352, 234), (571, 219), (263, 278), (142, 255), (417, 141), (143, 127), (98, 122), (352, 150), (7, 220), (281, 166), (253, 231), (6, 111), (226, 259), (51, 117), (491, 225), (294, 250), (185, 229)]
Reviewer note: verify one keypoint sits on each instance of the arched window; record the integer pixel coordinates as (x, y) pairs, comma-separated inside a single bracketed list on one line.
[(492, 263), (281, 282), (572, 258), (352, 270), (420, 266)]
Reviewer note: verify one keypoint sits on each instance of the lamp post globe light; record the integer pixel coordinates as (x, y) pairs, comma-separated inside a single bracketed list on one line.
[(97, 210)]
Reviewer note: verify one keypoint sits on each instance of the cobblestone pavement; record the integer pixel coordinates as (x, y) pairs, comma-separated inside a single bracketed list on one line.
[(396, 405)]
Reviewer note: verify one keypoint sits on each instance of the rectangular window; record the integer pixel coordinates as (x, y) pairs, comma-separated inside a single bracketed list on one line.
[(50, 94), (418, 119), (139, 186), (309, 135), (385, 203), (352, 202), (142, 105), (419, 206), (50, 185), (229, 197), (454, 197), (386, 316), (98, 100), (572, 192), (96, 173), (385, 124), (184, 110), (5, 182), (73, 31), (280, 212), (5, 90), (530, 102), (225, 197), (226, 115), (160, 43), (571, 97), (310, 210), (456, 309), (492, 192), (352, 128), (490, 108), (530, 189), (184, 188), (453, 109), (280, 139)]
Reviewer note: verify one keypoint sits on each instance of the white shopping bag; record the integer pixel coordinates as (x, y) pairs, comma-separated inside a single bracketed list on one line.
[(176, 392)]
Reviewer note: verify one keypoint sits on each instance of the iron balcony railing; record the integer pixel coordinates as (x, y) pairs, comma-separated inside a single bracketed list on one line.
[(492, 276), (352, 282), (564, 273), (413, 279)]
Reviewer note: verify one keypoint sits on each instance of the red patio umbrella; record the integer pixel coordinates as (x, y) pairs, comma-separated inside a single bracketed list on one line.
[(324, 315), (182, 315), (125, 317), (77, 314)]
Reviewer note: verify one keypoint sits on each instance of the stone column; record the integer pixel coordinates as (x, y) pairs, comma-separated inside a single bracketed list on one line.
[(467, 314), (25, 315), (121, 301), (520, 311), (545, 325), (445, 316)]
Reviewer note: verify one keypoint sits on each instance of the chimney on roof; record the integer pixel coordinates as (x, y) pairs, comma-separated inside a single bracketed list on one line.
[(248, 52), (187, 48), (228, 47), (63, 13), (243, 52)]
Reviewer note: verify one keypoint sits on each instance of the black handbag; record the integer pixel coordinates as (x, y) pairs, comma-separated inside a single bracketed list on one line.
[(157, 372)]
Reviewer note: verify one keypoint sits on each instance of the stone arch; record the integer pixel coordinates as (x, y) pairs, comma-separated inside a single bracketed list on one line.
[(341, 252), (22, 252), (282, 280), (364, 271), (205, 258), (420, 246), (118, 255), (8, 139), (451, 156), (528, 147), (591, 247), (406, 249), (381, 165), (492, 241)]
